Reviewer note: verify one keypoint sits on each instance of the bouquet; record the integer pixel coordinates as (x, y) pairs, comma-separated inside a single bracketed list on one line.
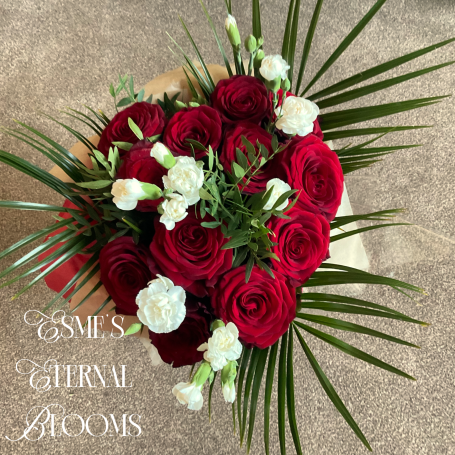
[(205, 216)]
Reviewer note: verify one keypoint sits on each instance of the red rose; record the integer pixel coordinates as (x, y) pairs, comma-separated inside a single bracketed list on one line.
[(252, 132), (179, 347), (190, 255), (303, 243), (316, 127), (262, 309), (312, 167), (241, 98), (125, 270), (148, 117), (138, 164), (203, 124)]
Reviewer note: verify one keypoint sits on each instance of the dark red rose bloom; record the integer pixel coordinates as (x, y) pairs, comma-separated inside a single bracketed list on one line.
[(316, 127), (179, 347), (252, 132), (190, 255), (312, 167), (303, 243), (262, 309), (148, 117), (138, 164), (241, 98), (203, 124), (125, 270)]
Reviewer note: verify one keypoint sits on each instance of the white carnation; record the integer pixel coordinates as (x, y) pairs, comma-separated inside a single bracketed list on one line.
[(174, 210), (152, 352), (126, 193), (190, 394), (298, 115), (273, 66), (161, 305), (224, 345), (186, 177), (229, 392), (279, 188)]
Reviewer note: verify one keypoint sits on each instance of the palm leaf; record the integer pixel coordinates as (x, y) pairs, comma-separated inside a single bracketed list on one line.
[(246, 393), (268, 395), (345, 43), (282, 394), (374, 216), (35, 236), (241, 377), (330, 391), (375, 71), (199, 57), (334, 238), (101, 117), (368, 89), (258, 374), (350, 327), (332, 135), (287, 31), (98, 127), (362, 114), (352, 351), (342, 304), (19, 205), (95, 129), (90, 293), (308, 41), (210, 396), (373, 150), (217, 39), (290, 396), (293, 40), (257, 29)]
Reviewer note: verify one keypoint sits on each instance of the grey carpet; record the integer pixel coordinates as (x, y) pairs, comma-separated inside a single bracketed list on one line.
[(56, 54)]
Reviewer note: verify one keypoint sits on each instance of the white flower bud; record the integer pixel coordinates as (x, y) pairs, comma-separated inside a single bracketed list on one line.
[(163, 155), (161, 305), (232, 31), (126, 193), (298, 115), (224, 345), (190, 394), (186, 177), (274, 66), (174, 210), (229, 392), (152, 352), (279, 188), (230, 21)]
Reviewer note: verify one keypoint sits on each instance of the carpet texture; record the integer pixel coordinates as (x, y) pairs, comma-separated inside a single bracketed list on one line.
[(56, 54)]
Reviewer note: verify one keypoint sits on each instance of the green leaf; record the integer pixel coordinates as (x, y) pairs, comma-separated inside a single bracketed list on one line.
[(290, 395), (135, 129), (238, 170), (283, 198), (133, 328), (241, 377), (217, 39), (246, 393), (112, 90), (352, 351), (330, 391), (308, 41), (87, 296), (249, 268), (332, 135), (241, 238), (257, 29), (374, 216), (241, 159), (293, 40), (124, 102), (375, 71), (350, 327), (282, 394), (258, 374), (368, 89), (140, 95), (268, 395), (91, 124), (338, 119), (211, 224), (149, 99), (205, 195), (95, 184), (345, 43)]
